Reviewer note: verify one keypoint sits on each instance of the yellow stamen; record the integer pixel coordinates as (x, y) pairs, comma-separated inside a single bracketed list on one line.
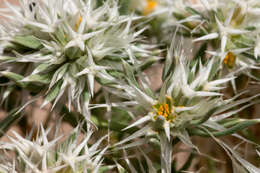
[(159, 113), (229, 59), (150, 6), (164, 110)]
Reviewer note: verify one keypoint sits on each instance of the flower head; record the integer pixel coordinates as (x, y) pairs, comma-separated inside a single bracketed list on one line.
[(44, 156), (187, 95), (190, 102), (68, 46), (150, 6)]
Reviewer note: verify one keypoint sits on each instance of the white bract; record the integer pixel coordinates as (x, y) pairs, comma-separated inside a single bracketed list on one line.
[(44, 156)]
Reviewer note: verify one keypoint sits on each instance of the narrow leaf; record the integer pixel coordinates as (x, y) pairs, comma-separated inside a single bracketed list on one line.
[(28, 41), (53, 93)]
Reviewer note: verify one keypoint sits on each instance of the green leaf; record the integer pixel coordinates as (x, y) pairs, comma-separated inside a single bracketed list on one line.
[(73, 53), (104, 169), (178, 16), (130, 73), (242, 124), (53, 93), (28, 41), (15, 77), (219, 14), (61, 37), (193, 11), (228, 122), (41, 68), (6, 123), (7, 58), (205, 117), (41, 78), (6, 93), (124, 6), (214, 70), (147, 63), (86, 96), (168, 67)]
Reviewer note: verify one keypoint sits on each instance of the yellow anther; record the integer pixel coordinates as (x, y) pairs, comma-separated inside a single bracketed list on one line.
[(160, 108), (150, 6), (229, 59), (159, 112), (164, 110)]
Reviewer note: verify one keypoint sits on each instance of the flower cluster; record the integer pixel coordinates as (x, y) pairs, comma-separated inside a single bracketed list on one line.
[(225, 26), (59, 43), (91, 60), (41, 155)]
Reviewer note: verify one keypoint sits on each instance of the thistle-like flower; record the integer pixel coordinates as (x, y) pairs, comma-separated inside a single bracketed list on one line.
[(190, 102), (65, 46), (232, 24), (224, 26), (187, 94), (44, 156)]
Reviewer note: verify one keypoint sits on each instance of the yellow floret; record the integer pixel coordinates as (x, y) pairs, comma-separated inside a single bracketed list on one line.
[(150, 6), (164, 110), (229, 59)]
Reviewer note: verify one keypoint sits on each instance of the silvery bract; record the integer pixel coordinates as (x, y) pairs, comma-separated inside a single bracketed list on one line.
[(41, 155)]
